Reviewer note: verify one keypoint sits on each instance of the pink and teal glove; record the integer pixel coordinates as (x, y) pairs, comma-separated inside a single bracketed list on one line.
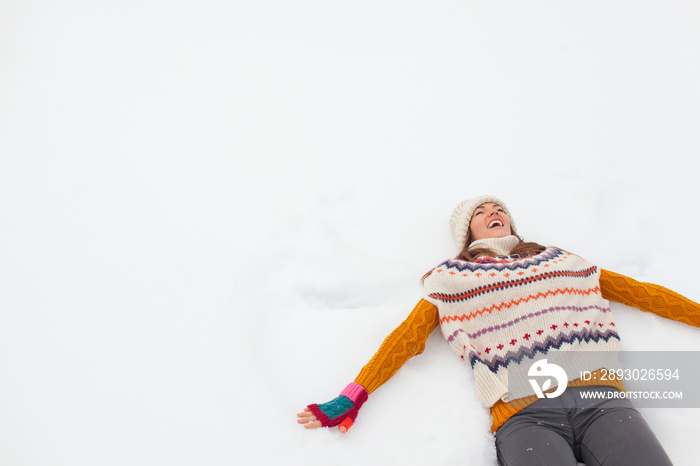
[(342, 410)]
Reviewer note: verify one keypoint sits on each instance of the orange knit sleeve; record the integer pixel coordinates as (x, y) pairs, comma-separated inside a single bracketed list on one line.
[(407, 340), (649, 297)]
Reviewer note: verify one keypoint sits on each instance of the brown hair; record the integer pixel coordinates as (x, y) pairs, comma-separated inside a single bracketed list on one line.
[(522, 249)]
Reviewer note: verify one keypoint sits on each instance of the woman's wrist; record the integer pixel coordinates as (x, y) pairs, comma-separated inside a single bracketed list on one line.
[(356, 393)]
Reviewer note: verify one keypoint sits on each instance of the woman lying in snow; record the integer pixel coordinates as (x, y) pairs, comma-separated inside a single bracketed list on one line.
[(506, 306)]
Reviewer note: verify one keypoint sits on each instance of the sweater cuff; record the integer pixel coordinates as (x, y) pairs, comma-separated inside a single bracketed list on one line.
[(356, 393)]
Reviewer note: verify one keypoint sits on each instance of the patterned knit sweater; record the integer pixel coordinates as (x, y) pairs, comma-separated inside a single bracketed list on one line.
[(500, 312), (503, 314)]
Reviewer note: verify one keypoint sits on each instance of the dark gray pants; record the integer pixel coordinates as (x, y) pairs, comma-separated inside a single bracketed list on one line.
[(568, 429)]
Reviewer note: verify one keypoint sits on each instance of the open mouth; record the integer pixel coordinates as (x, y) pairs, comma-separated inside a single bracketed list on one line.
[(495, 223)]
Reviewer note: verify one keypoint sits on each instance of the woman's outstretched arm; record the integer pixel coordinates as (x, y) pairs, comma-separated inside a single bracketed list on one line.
[(406, 341), (649, 297)]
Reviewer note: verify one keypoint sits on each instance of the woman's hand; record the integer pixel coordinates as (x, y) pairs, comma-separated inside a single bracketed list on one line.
[(340, 411), (309, 421)]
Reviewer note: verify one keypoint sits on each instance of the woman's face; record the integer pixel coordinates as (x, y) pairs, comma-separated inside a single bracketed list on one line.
[(489, 220)]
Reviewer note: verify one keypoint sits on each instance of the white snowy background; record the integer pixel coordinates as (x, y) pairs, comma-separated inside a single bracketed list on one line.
[(212, 212)]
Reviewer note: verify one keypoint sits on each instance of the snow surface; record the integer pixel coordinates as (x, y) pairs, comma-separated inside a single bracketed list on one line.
[(214, 211)]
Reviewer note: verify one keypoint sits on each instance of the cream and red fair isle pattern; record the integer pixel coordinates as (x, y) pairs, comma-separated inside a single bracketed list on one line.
[(502, 314)]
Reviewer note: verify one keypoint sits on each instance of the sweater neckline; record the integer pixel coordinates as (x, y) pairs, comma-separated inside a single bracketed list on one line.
[(501, 246)]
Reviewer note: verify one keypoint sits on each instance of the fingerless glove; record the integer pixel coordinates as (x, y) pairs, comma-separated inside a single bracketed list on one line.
[(342, 410)]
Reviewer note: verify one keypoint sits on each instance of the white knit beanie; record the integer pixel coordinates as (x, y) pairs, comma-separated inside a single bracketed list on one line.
[(462, 216)]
